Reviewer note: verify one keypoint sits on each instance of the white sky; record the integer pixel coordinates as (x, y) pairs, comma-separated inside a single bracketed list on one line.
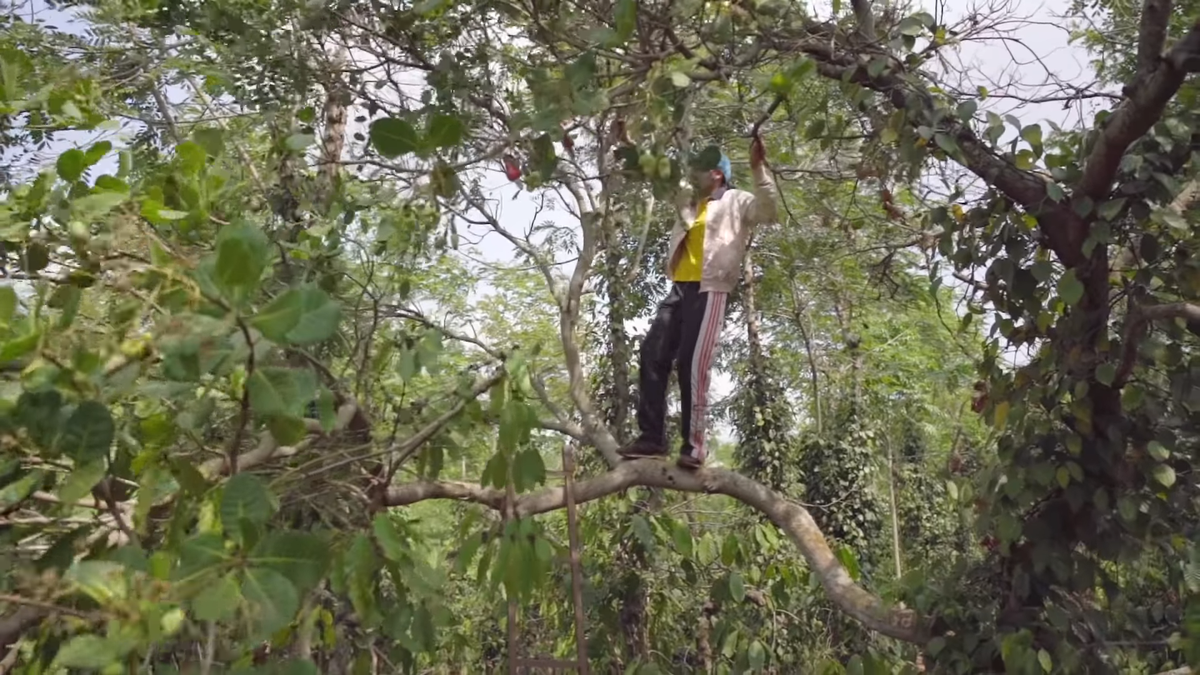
[(1038, 45)]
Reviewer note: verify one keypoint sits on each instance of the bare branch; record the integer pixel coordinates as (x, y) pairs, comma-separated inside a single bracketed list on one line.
[(1137, 324), (792, 518)]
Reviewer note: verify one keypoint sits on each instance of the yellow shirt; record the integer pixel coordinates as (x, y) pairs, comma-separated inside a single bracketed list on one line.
[(691, 260)]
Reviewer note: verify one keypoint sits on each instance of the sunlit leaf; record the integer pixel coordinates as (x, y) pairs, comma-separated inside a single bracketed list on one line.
[(1164, 474)]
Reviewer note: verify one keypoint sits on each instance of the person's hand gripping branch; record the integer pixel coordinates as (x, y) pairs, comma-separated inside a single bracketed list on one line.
[(758, 153)]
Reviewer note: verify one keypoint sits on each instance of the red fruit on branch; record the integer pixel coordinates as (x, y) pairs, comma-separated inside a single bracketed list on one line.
[(511, 169)]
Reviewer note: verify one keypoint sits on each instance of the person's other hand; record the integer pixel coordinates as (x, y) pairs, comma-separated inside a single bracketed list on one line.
[(758, 154)]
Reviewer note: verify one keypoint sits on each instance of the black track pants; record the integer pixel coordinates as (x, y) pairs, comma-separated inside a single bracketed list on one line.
[(685, 332)]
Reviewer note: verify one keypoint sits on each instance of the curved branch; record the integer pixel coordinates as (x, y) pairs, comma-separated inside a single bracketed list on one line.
[(792, 518)]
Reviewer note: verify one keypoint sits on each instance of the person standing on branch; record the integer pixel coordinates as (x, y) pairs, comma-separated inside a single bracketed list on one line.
[(707, 246)]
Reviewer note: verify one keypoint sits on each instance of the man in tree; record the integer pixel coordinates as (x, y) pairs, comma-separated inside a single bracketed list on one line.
[(708, 244)]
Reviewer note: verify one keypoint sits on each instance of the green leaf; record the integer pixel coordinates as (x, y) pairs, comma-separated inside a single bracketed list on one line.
[(737, 586), (326, 409), (19, 490), (544, 159), (1128, 509), (298, 142), (281, 391), (15, 349), (850, 561), (61, 554), (946, 143), (81, 481), (287, 429), (680, 80), (393, 545), (1164, 474), (363, 564), (300, 556), (1106, 373), (1033, 135), (191, 157), (90, 651), (1042, 270), (102, 580), (272, 601), (1158, 451), (71, 165), (966, 110), (243, 251), (246, 496), (445, 131), (96, 152), (529, 470), (300, 316), (87, 433), (757, 656), (1055, 192), (219, 600), (211, 139), (1109, 209), (96, 205), (8, 304), (1044, 659), (1069, 288), (392, 137), (682, 536)]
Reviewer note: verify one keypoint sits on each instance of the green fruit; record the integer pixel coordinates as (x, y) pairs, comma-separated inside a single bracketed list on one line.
[(648, 163), (664, 167)]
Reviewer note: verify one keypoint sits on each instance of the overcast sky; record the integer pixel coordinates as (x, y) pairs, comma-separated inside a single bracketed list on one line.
[(1027, 63)]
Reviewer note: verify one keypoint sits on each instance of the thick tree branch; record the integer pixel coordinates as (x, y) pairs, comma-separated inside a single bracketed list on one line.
[(792, 518), (1152, 35), (1138, 113), (13, 626), (865, 19)]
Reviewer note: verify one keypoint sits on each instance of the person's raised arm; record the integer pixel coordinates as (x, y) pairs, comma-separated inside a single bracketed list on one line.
[(763, 208)]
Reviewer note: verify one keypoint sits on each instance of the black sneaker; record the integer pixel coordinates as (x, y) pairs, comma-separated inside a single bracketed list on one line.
[(643, 449), (691, 459)]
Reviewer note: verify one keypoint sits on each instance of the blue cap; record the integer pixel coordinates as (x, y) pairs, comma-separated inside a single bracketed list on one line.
[(726, 169)]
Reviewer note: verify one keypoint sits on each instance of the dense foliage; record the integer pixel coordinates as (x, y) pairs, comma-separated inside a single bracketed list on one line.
[(305, 304)]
